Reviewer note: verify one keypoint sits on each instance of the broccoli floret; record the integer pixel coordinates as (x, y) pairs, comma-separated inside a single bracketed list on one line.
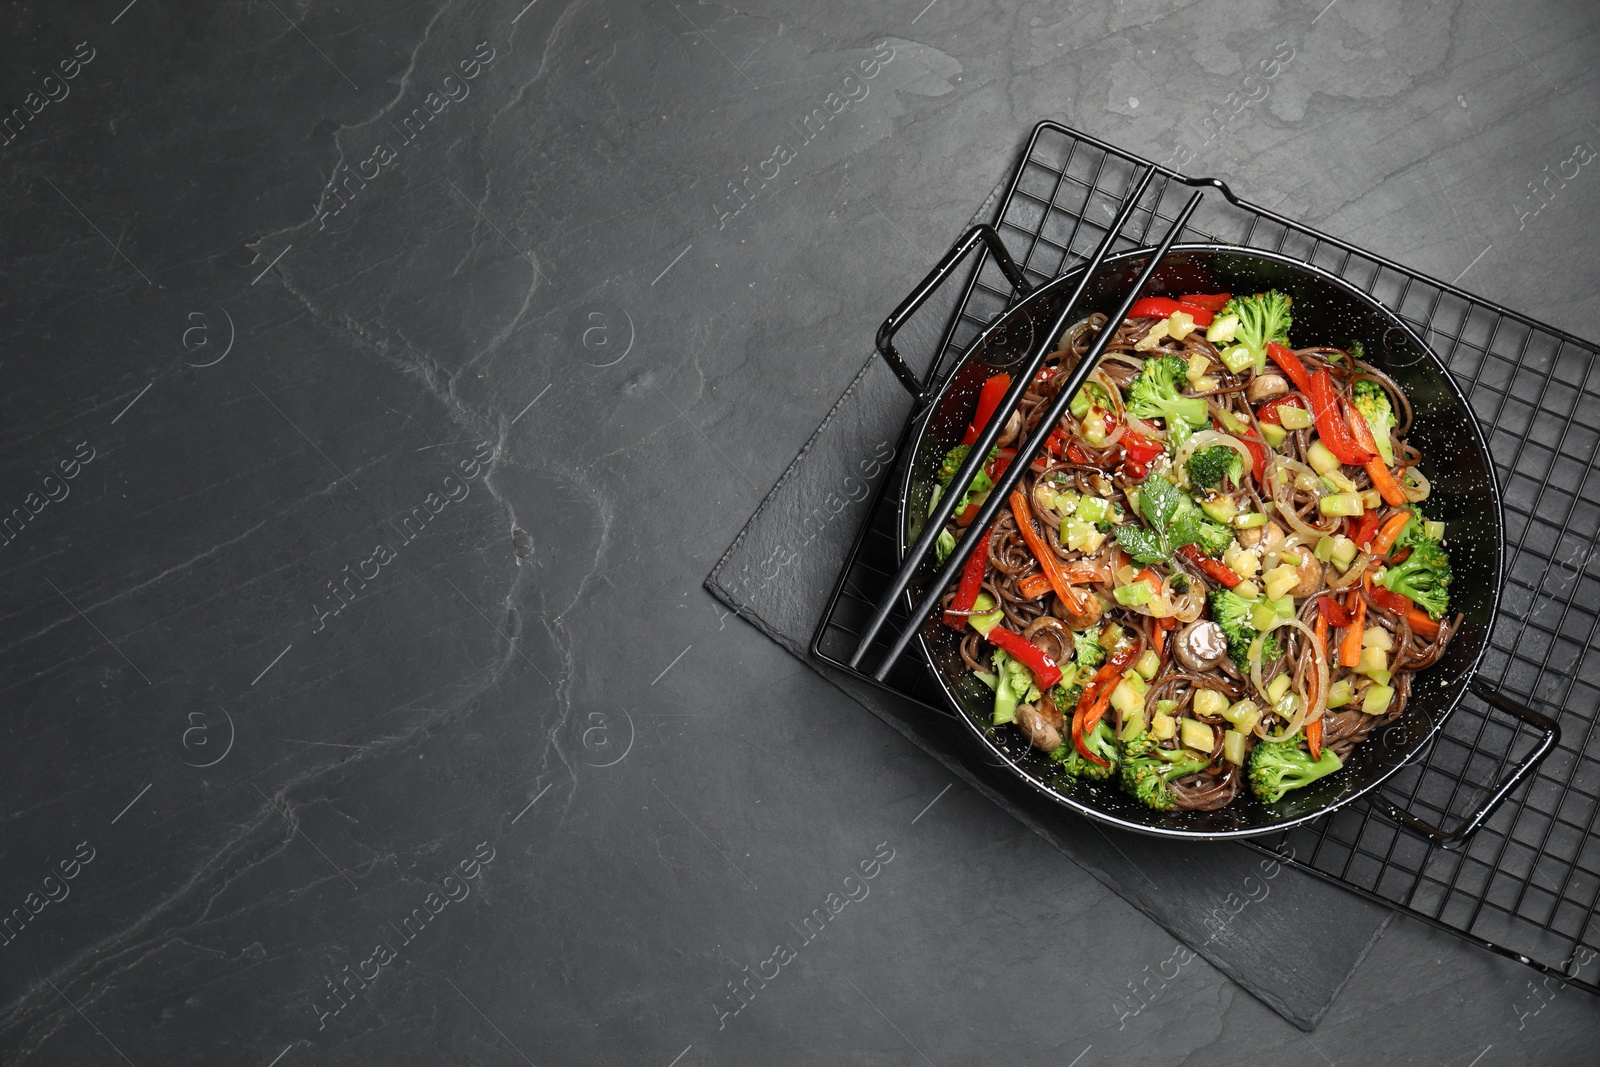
[(1263, 318), (1232, 613), (1414, 532), (944, 546), (950, 466), (1102, 742), (1213, 538), (1373, 403), (1157, 393), (1015, 686), (952, 463), (1146, 775), (1086, 649), (1208, 466), (1279, 766), (1424, 576), (1067, 696)]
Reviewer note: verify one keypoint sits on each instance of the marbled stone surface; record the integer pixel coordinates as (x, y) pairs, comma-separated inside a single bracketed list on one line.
[(292, 671)]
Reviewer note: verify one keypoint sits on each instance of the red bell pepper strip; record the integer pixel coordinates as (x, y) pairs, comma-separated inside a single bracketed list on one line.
[(1268, 412), (1054, 445), (1104, 680), (1334, 612), (1097, 695), (1139, 451), (1210, 301), (1077, 741), (1382, 480), (989, 397), (971, 582), (1152, 307), (1258, 455), (1258, 459), (998, 465), (1096, 698), (1363, 530), (1390, 601), (1160, 307), (1332, 427), (1045, 672), (1215, 569), (1290, 364)]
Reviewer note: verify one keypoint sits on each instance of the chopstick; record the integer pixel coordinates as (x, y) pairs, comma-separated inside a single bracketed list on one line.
[(980, 449), (1013, 473)]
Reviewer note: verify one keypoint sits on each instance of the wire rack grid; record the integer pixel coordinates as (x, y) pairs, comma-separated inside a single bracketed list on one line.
[(1527, 883)]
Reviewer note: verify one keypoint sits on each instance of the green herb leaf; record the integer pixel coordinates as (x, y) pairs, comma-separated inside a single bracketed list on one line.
[(1143, 545), (1160, 501)]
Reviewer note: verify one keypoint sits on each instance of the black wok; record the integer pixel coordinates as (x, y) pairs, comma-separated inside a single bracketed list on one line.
[(1455, 460)]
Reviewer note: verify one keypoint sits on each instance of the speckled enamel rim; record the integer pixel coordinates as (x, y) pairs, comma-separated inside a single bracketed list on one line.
[(1475, 436)]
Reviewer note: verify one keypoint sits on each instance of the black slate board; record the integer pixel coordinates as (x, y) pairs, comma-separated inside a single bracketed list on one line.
[(1287, 937)]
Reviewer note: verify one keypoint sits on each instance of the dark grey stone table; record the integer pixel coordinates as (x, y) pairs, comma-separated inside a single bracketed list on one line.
[(382, 380)]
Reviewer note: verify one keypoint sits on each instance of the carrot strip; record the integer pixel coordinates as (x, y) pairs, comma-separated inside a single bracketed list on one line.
[(1382, 480), (1350, 647), (1421, 625), (1391, 530), (1086, 570), (1385, 482), (1041, 551), (1215, 569), (1162, 626), (1314, 729), (1034, 586), (1314, 739)]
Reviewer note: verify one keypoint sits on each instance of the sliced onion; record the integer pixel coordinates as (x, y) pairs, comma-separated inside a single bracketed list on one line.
[(1206, 438), (1280, 465), (1186, 607), (1118, 411), (1418, 493), (1146, 429), (1276, 483), (1103, 380), (1307, 712), (1289, 544), (1352, 574)]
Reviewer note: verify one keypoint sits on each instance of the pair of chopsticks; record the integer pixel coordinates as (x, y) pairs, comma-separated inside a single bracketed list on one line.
[(980, 450)]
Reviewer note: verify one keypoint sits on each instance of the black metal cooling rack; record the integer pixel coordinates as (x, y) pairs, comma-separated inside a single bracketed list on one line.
[(1526, 884)]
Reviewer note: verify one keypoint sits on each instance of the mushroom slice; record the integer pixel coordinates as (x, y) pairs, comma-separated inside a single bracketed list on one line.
[(1037, 729), (1266, 387), (1200, 646)]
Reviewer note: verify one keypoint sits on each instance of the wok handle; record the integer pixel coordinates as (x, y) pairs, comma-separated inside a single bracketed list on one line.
[(936, 278), (1470, 825)]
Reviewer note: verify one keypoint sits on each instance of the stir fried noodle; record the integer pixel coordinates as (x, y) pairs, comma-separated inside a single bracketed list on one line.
[(1216, 578)]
